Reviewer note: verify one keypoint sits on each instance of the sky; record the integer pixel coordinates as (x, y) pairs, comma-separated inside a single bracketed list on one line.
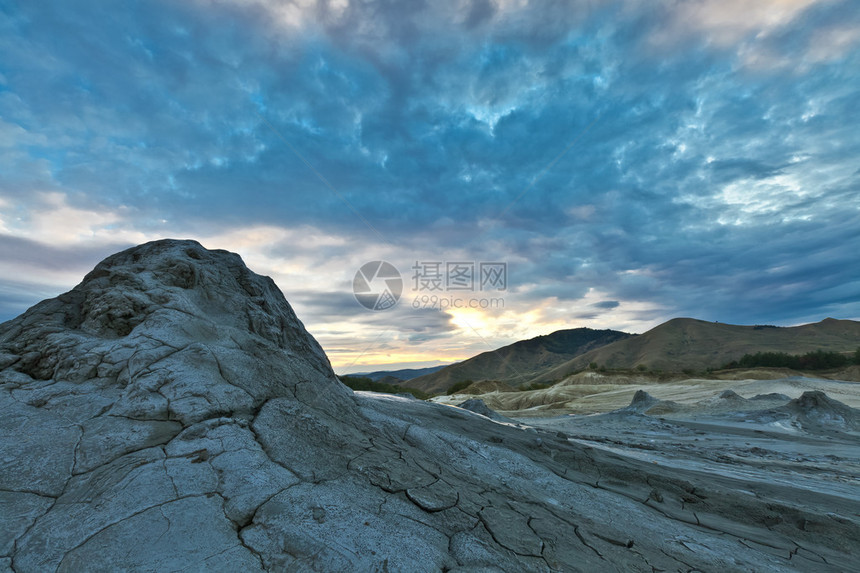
[(620, 163)]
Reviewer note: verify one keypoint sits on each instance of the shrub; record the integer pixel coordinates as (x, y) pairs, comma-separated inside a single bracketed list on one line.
[(535, 386), (462, 385)]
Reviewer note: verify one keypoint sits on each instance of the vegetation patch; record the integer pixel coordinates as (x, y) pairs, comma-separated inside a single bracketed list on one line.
[(461, 385), (816, 360), (535, 386)]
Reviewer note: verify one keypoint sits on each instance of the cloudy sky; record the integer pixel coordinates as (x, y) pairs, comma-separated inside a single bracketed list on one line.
[(628, 161)]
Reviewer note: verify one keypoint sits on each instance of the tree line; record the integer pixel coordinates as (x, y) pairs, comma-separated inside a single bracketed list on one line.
[(815, 360)]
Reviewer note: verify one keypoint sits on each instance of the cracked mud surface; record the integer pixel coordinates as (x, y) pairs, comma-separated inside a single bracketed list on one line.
[(172, 413)]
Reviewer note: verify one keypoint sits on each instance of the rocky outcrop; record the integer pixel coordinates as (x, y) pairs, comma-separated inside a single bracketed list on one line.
[(172, 413)]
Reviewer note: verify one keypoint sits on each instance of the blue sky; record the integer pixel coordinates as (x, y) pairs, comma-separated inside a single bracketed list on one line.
[(630, 161)]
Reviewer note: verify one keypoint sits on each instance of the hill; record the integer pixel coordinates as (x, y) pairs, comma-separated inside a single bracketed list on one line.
[(521, 361), (686, 343), (402, 374)]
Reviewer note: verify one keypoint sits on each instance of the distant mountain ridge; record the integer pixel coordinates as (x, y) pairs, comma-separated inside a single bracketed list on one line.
[(687, 343), (403, 374), (521, 361)]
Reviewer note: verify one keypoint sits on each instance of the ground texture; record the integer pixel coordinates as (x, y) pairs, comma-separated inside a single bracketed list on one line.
[(172, 413)]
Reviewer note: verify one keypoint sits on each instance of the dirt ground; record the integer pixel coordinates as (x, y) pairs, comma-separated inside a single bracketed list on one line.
[(795, 439)]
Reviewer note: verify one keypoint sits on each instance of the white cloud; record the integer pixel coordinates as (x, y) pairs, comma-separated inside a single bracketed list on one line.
[(582, 212), (52, 221), (290, 14), (825, 45), (4, 229), (750, 29), (828, 44), (728, 22), (13, 135)]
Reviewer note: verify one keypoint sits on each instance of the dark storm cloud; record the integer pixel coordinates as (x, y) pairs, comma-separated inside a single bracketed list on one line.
[(725, 170), (15, 298), (414, 324), (558, 139), (30, 267), (19, 251)]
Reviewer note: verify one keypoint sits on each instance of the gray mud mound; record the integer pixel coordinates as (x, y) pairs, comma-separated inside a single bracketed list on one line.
[(729, 404), (732, 397), (477, 406), (645, 403), (642, 401), (772, 397), (172, 413), (815, 410), (726, 402)]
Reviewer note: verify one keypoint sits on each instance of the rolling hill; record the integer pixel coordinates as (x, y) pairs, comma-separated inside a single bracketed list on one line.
[(519, 362), (399, 375), (686, 343)]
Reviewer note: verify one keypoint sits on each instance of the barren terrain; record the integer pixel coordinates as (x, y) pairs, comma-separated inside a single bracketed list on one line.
[(172, 413)]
